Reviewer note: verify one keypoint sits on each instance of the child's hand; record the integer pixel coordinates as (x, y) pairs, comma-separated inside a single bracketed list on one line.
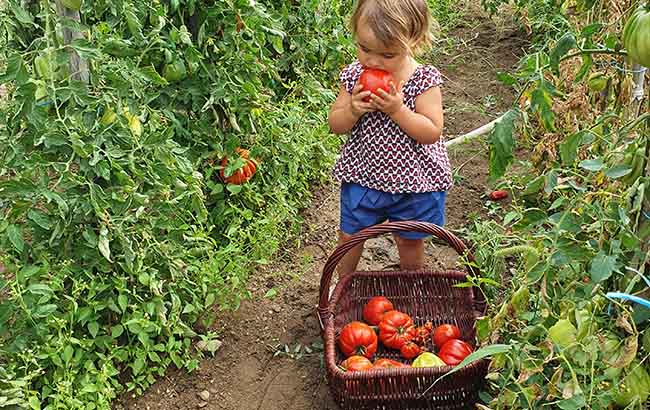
[(389, 103), (357, 105)]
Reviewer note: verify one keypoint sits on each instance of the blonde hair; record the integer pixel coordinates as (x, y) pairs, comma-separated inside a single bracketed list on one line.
[(406, 23)]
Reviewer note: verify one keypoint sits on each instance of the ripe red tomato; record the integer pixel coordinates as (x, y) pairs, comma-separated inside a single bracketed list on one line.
[(454, 351), (356, 364), (395, 329), (241, 175), (375, 309), (443, 333), (358, 338), (409, 350), (374, 79), (387, 363), (498, 195)]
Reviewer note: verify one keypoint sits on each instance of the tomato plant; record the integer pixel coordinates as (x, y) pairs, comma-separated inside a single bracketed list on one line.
[(118, 233)]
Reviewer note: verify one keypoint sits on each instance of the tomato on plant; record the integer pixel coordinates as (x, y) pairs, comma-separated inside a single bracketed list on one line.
[(445, 332), (175, 71), (636, 36), (374, 310), (358, 338), (454, 351), (241, 175), (356, 364), (373, 80), (395, 329)]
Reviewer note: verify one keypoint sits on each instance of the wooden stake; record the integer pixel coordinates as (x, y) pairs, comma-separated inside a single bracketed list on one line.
[(78, 66)]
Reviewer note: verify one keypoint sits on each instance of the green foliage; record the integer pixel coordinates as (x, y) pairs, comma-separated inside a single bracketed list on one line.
[(577, 223), (118, 237)]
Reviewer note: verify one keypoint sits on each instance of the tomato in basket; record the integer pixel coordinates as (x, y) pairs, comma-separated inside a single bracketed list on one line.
[(445, 332), (454, 351), (395, 329), (384, 363), (375, 309), (356, 364), (357, 338), (409, 350)]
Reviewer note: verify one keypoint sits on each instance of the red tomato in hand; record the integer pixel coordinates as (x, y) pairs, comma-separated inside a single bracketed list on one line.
[(375, 309), (443, 333), (454, 351), (358, 338), (395, 329), (387, 363), (356, 364), (373, 80)]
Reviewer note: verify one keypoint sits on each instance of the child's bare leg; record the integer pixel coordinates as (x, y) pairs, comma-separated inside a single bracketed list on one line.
[(349, 262), (411, 253)]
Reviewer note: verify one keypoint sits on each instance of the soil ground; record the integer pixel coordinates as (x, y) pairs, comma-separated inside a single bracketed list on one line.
[(252, 370)]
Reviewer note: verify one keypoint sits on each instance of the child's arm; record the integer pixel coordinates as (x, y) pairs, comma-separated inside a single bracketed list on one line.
[(425, 124), (347, 109)]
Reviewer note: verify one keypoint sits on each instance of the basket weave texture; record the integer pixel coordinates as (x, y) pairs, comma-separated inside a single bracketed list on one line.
[(425, 296)]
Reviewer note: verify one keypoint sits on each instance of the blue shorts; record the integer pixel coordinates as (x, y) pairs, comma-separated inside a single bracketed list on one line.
[(362, 207)]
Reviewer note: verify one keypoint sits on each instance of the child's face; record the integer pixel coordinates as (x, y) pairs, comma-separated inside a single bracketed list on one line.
[(372, 53)]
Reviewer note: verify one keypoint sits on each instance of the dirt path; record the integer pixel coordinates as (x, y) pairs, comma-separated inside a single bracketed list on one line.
[(246, 373)]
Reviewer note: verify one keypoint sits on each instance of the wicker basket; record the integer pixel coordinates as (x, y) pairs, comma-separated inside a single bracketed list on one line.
[(425, 296)]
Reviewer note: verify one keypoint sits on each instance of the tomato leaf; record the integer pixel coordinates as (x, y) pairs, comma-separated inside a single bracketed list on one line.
[(563, 46), (602, 267), (85, 49), (592, 164), (104, 244), (618, 171), (569, 148), (15, 234), (502, 144)]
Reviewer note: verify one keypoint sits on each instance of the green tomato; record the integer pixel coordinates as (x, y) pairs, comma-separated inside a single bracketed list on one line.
[(597, 82), (43, 66), (428, 359), (636, 36), (175, 71), (109, 117)]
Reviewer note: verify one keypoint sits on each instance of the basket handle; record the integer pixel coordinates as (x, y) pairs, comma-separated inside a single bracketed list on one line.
[(390, 227)]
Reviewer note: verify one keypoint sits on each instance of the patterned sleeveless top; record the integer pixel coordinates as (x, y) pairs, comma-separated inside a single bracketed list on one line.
[(379, 155)]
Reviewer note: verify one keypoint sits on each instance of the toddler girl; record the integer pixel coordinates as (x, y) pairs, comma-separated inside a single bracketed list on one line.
[(394, 165)]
